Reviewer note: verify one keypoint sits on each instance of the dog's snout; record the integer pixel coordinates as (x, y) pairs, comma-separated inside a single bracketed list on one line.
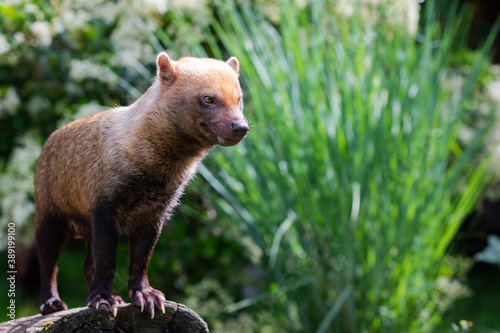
[(240, 128)]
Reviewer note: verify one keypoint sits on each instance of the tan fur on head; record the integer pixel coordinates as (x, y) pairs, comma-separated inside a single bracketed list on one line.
[(201, 77)]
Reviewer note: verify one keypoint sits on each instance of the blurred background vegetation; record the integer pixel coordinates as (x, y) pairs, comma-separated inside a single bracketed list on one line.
[(357, 202)]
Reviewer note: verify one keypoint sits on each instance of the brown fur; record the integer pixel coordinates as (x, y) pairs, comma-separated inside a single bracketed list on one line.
[(130, 165)]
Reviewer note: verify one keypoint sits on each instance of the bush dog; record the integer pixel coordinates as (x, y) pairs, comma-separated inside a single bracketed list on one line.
[(123, 170)]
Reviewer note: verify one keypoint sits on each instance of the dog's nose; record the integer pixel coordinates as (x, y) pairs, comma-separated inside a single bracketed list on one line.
[(240, 128)]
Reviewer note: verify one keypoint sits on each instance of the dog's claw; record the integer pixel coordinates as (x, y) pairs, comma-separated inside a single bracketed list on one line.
[(115, 311), (152, 313), (162, 308), (142, 306)]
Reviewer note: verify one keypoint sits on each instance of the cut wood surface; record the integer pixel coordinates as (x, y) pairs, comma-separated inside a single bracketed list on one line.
[(176, 319)]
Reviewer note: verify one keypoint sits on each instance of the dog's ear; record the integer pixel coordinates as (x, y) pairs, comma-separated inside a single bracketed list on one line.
[(235, 64), (165, 69)]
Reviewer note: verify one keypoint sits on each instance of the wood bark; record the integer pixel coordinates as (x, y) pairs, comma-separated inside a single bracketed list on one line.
[(176, 319)]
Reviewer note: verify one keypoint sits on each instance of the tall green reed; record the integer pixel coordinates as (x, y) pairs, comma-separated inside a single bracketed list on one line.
[(351, 180)]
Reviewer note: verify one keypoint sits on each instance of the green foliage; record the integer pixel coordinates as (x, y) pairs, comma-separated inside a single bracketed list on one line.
[(40, 43), (351, 182)]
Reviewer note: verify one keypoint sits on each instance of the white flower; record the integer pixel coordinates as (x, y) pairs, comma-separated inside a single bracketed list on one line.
[(41, 29), (16, 184), (19, 37), (494, 90), (84, 69), (400, 13), (108, 11), (129, 43), (74, 20), (23, 210), (410, 10), (9, 102), (345, 8), (30, 8), (158, 6), (187, 4), (38, 104), (466, 134), (4, 44), (57, 25)]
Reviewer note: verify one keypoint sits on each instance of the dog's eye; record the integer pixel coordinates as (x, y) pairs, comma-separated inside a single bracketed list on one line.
[(208, 100)]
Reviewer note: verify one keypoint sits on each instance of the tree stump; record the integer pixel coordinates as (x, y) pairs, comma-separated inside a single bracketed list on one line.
[(176, 319)]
